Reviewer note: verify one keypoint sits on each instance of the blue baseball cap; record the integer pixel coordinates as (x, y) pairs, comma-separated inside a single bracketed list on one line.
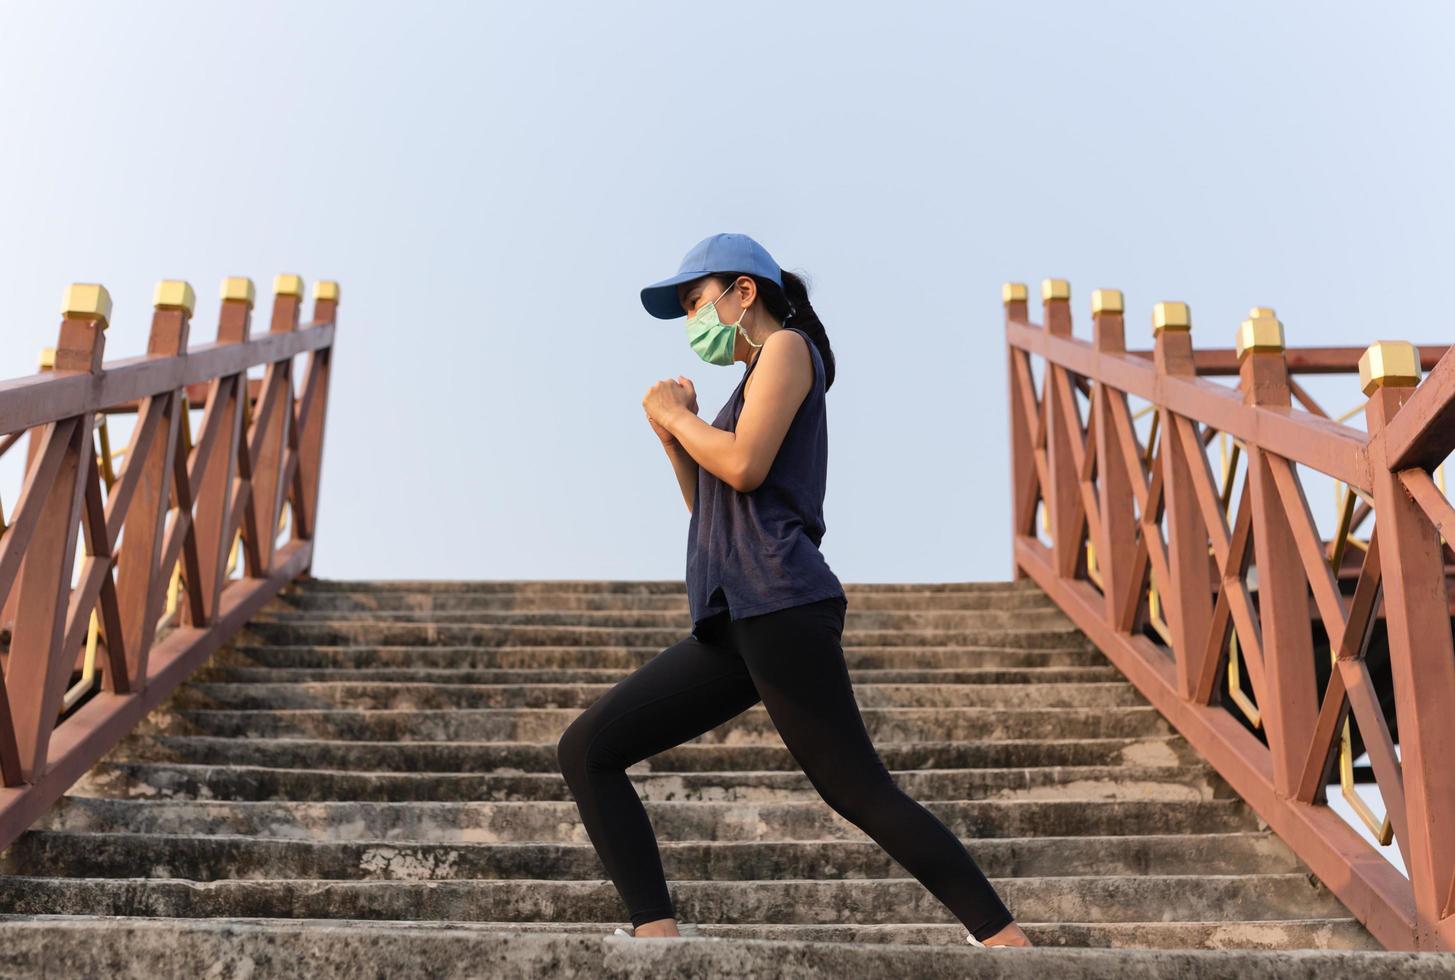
[(723, 252)]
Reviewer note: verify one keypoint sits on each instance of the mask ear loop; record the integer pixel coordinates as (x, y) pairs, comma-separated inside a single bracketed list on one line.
[(739, 325)]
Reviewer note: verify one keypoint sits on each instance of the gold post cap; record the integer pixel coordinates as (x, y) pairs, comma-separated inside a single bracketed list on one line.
[(1013, 292), (1171, 315), (288, 285), (1260, 333), (87, 301), (1055, 289), (238, 289), (1260, 311), (1106, 301), (47, 358), (174, 294), (325, 289), (1389, 363)]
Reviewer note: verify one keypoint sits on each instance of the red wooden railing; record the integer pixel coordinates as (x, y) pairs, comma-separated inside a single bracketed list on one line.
[(154, 593), (1187, 590)]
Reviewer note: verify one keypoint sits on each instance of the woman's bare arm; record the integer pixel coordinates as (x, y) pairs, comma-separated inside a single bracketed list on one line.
[(741, 459), (686, 469)]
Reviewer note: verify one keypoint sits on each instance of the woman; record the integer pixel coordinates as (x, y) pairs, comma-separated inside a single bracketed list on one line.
[(767, 611)]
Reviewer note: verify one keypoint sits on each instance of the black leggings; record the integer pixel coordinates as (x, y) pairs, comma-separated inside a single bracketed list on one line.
[(791, 660)]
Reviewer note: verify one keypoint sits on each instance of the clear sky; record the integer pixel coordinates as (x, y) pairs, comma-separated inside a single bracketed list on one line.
[(493, 183)]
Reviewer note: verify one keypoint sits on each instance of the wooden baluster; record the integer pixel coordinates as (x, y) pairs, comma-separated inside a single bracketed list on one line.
[(1189, 593), (32, 446), (1118, 544), (141, 581), (1063, 496), (1291, 713), (40, 664), (1022, 451), (1422, 659), (220, 484), (272, 420), (311, 414)]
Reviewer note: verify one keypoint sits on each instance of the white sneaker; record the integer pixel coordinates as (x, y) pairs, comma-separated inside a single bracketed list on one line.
[(683, 929), (977, 943)]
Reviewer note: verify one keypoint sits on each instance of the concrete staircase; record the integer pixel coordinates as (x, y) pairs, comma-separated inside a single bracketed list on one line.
[(366, 784)]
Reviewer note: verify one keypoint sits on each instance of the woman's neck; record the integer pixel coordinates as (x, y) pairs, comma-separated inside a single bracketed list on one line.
[(749, 352)]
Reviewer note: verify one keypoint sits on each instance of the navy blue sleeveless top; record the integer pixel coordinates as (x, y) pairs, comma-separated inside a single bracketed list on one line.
[(753, 553)]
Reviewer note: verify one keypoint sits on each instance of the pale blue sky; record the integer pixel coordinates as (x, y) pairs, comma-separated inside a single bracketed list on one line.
[(492, 184)]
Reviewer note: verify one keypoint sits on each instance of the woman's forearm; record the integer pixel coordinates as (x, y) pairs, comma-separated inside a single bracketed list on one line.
[(686, 469), (714, 448)]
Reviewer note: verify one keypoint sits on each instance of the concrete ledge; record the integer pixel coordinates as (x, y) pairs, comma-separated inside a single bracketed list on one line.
[(144, 950)]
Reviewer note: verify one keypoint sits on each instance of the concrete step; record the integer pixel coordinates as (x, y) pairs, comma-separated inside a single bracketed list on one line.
[(350, 632), (1003, 620), (405, 601), (1028, 677), (444, 696), (547, 821), (213, 858), (751, 727), (259, 948), (461, 756), (617, 587), (145, 780), (624, 659), (1114, 898)]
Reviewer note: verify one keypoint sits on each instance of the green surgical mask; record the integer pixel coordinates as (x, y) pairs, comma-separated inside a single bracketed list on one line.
[(711, 338)]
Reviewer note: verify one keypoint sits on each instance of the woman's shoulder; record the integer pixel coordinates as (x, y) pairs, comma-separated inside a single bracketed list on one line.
[(789, 338)]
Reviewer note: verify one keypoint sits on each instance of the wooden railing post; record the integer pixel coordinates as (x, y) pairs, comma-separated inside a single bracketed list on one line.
[(1291, 713), (220, 485), (141, 579), (1421, 650), (47, 362), (308, 456), (1188, 596), (1118, 525), (272, 422), (1063, 495), (1022, 448), (40, 664)]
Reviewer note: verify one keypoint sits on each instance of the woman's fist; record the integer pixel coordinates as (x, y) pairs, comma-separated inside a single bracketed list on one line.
[(668, 396)]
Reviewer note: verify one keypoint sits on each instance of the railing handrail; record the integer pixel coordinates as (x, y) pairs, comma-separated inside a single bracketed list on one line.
[(1209, 402), (1301, 360), (1140, 530), (38, 399)]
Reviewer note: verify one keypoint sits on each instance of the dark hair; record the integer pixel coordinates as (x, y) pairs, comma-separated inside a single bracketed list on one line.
[(790, 305)]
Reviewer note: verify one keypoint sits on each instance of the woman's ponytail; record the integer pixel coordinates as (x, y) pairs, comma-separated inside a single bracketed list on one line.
[(806, 319), (791, 306)]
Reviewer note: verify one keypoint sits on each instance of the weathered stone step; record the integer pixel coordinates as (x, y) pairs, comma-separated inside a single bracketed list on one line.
[(489, 822), (212, 858), (450, 950), (856, 621), (753, 726), (619, 587), (432, 697), (458, 756), (1077, 899), (149, 780), (465, 601), (625, 659), (345, 632), (1029, 676)]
